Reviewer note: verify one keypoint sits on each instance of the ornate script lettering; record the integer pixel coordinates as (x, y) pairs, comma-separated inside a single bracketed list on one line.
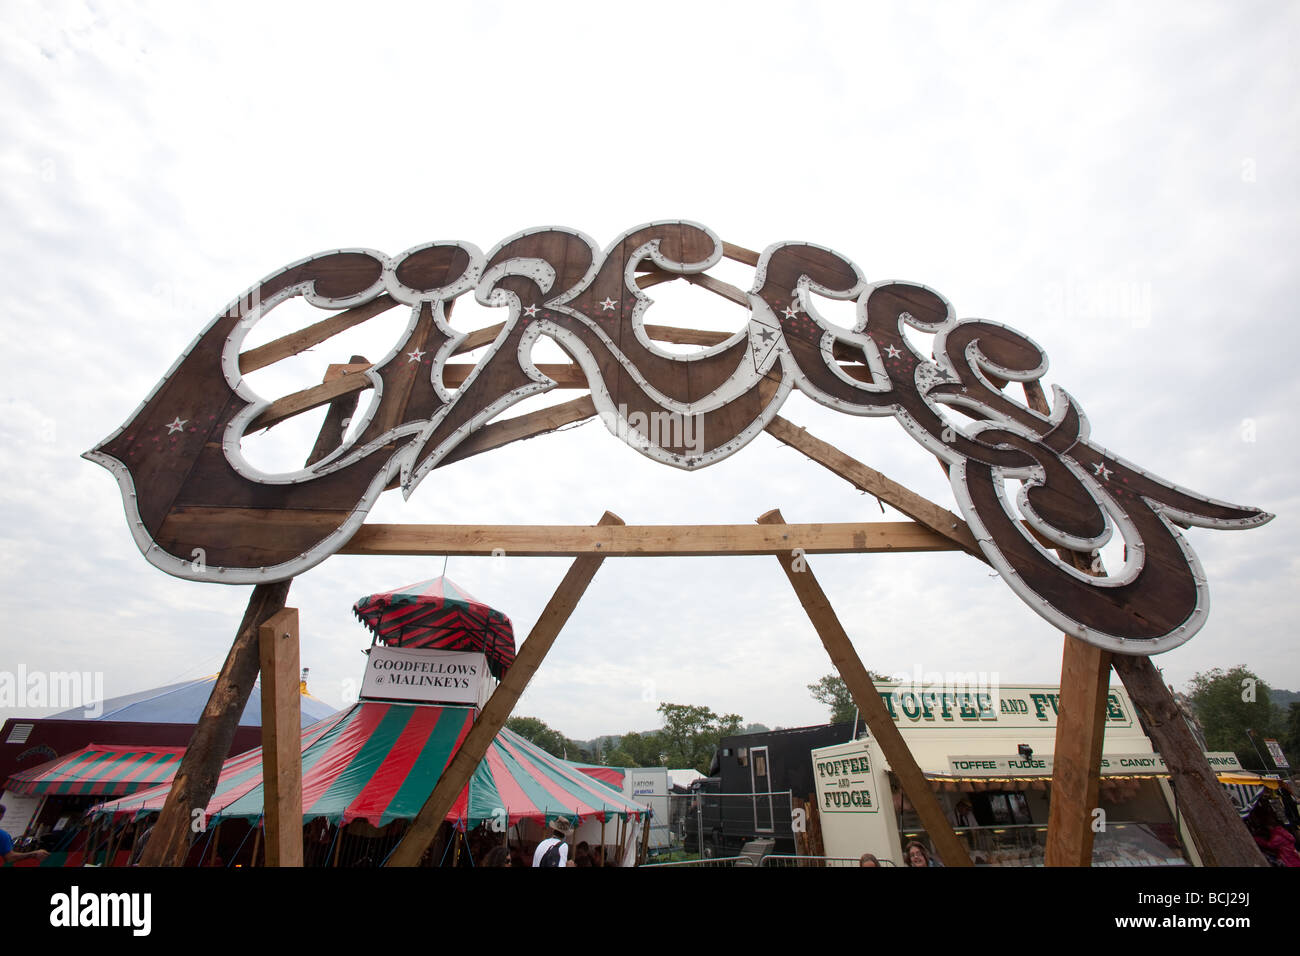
[(186, 485)]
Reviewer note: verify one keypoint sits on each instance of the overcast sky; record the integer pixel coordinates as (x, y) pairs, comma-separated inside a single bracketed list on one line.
[(1119, 182)]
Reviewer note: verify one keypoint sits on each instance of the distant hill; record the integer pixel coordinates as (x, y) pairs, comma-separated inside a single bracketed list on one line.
[(1283, 698)]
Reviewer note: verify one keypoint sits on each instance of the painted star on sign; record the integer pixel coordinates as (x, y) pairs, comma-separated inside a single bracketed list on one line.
[(791, 311), (530, 311), (1101, 471), (767, 335), (609, 305), (893, 351), (176, 425), (415, 356)]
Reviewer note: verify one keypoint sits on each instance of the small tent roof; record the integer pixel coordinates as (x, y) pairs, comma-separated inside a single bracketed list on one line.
[(99, 769)]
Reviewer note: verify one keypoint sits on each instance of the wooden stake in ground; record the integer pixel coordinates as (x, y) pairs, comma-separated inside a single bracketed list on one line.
[(281, 739), (196, 777), (850, 668), (493, 716), (1076, 763), (1217, 829)]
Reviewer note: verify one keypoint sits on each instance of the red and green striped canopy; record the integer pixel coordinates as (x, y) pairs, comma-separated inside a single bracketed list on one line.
[(379, 762), (438, 614), (100, 769)]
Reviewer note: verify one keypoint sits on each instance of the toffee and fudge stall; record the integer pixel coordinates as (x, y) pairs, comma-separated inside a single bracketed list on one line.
[(987, 753)]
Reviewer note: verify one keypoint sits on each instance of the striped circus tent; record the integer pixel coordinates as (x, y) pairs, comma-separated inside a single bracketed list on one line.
[(99, 769), (379, 762)]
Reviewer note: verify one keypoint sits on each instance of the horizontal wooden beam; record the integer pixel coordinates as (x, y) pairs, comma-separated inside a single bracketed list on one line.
[(740, 254), (532, 424), (644, 541), (669, 333), (566, 375), (305, 338), (304, 401)]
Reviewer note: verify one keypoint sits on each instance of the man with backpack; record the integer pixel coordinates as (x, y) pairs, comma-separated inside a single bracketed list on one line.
[(554, 851)]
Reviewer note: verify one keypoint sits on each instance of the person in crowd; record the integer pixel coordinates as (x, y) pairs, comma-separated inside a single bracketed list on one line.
[(7, 852), (560, 828), (916, 854), (868, 859), (1278, 846)]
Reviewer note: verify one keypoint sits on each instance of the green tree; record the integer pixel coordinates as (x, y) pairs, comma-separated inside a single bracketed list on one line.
[(618, 757), (1228, 703), (645, 750), (834, 693), (1290, 740), (691, 734), (550, 740)]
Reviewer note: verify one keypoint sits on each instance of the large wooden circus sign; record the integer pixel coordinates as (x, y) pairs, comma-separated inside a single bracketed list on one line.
[(1028, 482)]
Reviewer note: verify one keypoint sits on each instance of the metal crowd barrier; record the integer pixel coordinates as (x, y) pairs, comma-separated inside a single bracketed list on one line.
[(782, 859), (721, 861), (771, 860)]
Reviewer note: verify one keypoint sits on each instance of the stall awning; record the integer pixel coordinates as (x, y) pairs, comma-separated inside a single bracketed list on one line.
[(99, 769)]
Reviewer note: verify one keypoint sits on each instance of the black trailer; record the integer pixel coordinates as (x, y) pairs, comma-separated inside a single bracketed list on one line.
[(751, 784)]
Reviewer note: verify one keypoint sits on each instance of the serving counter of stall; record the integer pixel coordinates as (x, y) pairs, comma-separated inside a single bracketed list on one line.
[(987, 752)]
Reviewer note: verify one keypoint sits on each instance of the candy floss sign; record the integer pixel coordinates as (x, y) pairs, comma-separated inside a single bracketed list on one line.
[(427, 676)]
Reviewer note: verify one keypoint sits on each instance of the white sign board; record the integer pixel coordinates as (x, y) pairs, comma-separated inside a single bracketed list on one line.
[(994, 765), (845, 783), (852, 792), (424, 675), (1275, 751), (649, 787)]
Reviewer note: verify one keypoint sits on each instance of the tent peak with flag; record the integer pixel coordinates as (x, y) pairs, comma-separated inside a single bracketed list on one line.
[(439, 614)]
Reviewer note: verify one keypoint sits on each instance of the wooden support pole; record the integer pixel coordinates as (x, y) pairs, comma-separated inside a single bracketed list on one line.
[(872, 707), (645, 840), (1219, 835), (92, 841), (1076, 762), (1080, 725), (281, 738), (115, 841), (1217, 829), (917, 507), (493, 716), (196, 777)]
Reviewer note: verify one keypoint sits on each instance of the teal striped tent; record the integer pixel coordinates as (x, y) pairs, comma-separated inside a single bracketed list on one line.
[(379, 762), (110, 770)]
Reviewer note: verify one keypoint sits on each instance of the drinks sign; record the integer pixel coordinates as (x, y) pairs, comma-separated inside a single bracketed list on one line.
[(427, 676)]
